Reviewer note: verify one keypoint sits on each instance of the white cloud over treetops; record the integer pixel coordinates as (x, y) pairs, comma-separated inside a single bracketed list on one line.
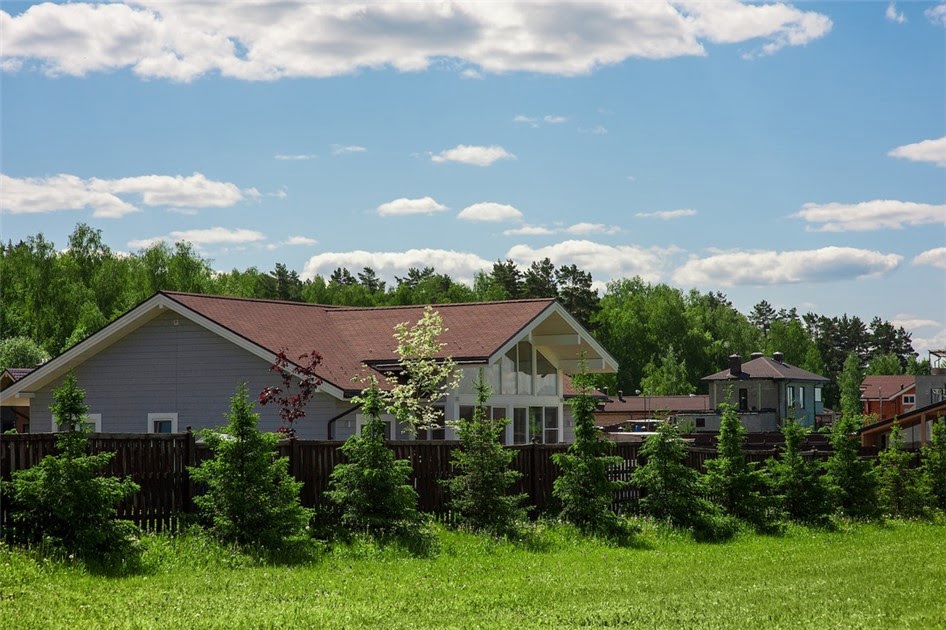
[(201, 237), (603, 261), (932, 151), (404, 206), (184, 40), (667, 215), (104, 196), (476, 155), (489, 211), (868, 216), (460, 266), (770, 267), (935, 257)]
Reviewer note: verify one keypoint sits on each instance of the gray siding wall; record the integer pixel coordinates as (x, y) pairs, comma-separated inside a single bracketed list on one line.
[(178, 367)]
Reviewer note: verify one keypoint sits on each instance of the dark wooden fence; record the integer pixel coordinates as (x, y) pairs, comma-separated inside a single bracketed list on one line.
[(158, 463)]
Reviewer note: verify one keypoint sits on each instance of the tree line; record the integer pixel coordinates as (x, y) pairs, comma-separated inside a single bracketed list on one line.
[(664, 339)]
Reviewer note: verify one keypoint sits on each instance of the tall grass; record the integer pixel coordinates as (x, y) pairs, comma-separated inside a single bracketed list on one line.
[(860, 576)]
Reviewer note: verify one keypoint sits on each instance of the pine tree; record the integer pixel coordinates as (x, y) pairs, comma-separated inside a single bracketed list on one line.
[(900, 491), (850, 480), (799, 483), (850, 385)]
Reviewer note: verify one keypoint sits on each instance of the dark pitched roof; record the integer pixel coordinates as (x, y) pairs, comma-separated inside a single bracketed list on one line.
[(885, 386), (18, 373), (656, 403), (348, 337), (766, 368)]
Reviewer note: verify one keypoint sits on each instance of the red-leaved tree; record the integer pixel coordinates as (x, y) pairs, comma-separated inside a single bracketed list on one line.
[(299, 376)]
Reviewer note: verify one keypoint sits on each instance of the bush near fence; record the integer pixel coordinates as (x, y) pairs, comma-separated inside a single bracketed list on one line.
[(159, 462)]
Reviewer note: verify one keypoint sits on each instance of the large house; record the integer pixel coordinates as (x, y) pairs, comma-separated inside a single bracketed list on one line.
[(629, 413), (175, 360), (887, 396), (765, 390)]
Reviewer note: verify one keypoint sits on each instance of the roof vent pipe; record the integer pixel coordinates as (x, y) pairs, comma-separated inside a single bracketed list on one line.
[(735, 364), (778, 356), (621, 395), (757, 355)]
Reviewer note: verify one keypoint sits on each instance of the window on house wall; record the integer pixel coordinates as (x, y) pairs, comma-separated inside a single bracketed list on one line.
[(909, 399), (817, 394), (93, 423), (550, 434), (525, 369), (508, 371), (743, 399), (162, 423), (701, 423), (388, 420), (790, 396), (801, 397), (520, 425)]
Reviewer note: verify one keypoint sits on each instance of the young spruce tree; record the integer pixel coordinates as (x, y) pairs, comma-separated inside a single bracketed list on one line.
[(851, 482), (479, 489), (934, 464), (65, 501), (250, 497), (800, 483), (900, 490), (737, 485), (583, 487)]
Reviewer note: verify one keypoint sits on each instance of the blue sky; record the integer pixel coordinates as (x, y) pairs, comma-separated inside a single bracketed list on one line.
[(794, 153)]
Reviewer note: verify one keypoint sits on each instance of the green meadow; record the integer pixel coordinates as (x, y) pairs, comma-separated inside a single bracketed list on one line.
[(861, 576)]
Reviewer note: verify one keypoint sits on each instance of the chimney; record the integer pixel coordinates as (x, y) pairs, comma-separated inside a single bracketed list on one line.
[(735, 364), (778, 356), (756, 355), (621, 395)]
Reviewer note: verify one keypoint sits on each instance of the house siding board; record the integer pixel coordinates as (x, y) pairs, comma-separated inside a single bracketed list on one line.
[(183, 368)]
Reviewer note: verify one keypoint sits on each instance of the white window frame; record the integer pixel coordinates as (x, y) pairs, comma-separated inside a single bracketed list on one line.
[(909, 399), (162, 416), (95, 419)]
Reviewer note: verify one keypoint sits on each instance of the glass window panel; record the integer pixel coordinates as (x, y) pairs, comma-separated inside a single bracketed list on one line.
[(467, 378), (162, 426), (546, 380), (801, 397), (790, 397), (817, 394), (492, 376), (551, 425), (520, 426), (509, 376), (525, 367)]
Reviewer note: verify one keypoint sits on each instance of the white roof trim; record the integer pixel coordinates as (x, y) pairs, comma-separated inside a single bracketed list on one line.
[(610, 364)]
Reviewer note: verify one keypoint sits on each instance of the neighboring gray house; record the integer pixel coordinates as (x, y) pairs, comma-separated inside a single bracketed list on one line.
[(175, 360), (765, 391)]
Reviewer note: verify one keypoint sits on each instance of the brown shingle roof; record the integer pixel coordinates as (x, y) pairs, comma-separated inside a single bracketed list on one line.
[(656, 403), (18, 373), (766, 368), (884, 386), (347, 337)]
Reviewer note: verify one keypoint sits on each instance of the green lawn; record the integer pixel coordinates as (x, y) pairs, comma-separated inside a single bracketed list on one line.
[(866, 576)]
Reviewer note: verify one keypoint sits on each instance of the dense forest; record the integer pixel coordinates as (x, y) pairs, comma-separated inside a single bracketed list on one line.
[(665, 339)]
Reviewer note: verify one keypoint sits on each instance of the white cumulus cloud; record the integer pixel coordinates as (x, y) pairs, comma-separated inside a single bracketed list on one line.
[(470, 154), (104, 196), (937, 14), (893, 15), (489, 211), (296, 157), (528, 230), (868, 216), (932, 151), (604, 262), (667, 215), (404, 206), (185, 40), (202, 237), (771, 267), (461, 266), (935, 257), (591, 228), (300, 240), (346, 149)]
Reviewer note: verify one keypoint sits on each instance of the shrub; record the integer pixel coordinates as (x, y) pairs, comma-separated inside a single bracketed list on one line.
[(799, 483), (64, 501), (900, 490), (250, 498), (735, 484), (583, 487), (851, 484), (479, 488), (934, 464), (372, 490)]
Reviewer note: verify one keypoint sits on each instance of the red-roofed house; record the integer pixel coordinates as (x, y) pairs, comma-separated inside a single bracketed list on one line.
[(175, 360), (888, 396)]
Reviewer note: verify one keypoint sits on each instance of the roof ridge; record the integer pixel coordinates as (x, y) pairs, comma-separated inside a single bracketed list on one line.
[(392, 307), (237, 298)]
